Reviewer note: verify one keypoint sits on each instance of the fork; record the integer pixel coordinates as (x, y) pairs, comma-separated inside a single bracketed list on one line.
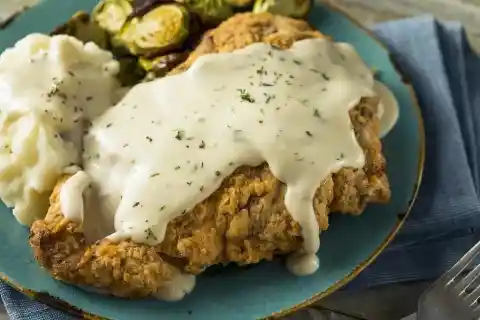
[(454, 296)]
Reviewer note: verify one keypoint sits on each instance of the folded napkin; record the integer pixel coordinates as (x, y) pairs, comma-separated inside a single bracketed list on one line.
[(444, 223), (445, 220)]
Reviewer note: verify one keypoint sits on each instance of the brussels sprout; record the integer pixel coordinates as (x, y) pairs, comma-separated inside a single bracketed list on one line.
[(160, 66), (211, 12), (130, 72), (112, 14), (161, 29), (82, 27), (240, 3), (291, 8)]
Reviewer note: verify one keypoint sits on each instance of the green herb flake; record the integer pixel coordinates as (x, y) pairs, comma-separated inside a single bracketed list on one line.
[(150, 234), (180, 135), (261, 71), (268, 98), (245, 96)]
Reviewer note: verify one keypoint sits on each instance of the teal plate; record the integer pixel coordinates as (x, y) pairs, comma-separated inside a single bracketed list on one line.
[(348, 246)]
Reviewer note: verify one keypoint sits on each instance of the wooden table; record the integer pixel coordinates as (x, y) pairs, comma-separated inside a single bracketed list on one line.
[(371, 11), (393, 301)]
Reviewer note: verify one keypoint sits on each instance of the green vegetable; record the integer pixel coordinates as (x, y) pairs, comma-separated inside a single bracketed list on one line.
[(112, 14), (290, 8), (240, 3), (82, 27), (160, 66), (130, 72), (211, 12), (160, 30)]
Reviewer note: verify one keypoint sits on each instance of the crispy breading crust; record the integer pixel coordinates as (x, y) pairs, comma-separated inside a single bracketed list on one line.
[(244, 221)]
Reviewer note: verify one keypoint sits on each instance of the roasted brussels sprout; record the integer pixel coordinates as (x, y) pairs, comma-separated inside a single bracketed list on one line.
[(240, 3), (130, 71), (160, 66), (82, 27), (211, 12), (290, 8), (112, 14), (160, 30)]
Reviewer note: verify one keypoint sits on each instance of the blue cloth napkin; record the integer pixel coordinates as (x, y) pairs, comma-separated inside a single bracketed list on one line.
[(444, 224)]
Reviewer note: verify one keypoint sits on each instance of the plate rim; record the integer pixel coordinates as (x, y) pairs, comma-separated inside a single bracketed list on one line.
[(62, 305)]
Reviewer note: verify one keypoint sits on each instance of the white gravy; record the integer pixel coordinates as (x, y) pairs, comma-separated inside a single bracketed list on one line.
[(71, 196), (388, 108), (303, 264), (181, 285), (169, 143)]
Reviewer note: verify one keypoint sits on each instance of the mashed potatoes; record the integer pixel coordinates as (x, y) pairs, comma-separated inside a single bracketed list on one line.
[(50, 88)]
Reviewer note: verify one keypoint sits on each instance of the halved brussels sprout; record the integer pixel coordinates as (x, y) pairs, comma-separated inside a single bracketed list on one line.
[(160, 66), (161, 29), (112, 14), (290, 8), (240, 3), (82, 27), (211, 12)]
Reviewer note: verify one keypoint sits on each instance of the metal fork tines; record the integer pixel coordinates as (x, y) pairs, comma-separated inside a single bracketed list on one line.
[(455, 295)]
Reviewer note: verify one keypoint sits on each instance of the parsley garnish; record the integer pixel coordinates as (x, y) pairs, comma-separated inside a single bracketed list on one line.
[(245, 96), (150, 234), (180, 135)]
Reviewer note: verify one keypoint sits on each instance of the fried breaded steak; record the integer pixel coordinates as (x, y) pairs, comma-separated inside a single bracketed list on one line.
[(244, 221)]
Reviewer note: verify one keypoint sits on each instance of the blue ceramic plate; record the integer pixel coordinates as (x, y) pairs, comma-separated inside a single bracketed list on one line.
[(348, 246)]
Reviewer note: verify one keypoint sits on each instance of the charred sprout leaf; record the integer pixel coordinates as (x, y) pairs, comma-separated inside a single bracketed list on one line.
[(290, 8), (240, 3), (160, 66), (82, 27), (162, 29), (141, 7), (130, 72), (112, 14), (211, 12)]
